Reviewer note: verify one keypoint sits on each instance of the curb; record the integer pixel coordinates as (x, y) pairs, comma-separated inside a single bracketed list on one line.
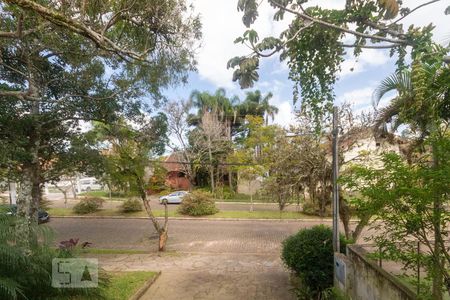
[(198, 219), (139, 293), (246, 203)]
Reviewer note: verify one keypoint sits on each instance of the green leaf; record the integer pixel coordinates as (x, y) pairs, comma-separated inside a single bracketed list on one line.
[(252, 36), (239, 40)]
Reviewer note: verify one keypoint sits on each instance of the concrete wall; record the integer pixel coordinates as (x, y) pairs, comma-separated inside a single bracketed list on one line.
[(365, 280)]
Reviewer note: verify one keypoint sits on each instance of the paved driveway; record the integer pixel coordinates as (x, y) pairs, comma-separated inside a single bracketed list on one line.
[(206, 259)]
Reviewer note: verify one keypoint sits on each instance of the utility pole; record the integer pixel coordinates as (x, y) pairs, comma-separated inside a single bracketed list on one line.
[(336, 245)]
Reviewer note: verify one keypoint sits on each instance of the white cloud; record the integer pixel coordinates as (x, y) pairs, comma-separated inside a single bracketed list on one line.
[(368, 58), (285, 116), (222, 24), (359, 98)]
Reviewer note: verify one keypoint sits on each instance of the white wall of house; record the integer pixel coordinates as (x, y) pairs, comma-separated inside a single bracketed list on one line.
[(368, 151)]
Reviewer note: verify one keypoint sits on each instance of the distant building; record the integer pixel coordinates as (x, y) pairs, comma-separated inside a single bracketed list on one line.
[(176, 177)]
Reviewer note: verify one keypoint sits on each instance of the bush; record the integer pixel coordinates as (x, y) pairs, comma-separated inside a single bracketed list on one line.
[(88, 205), (131, 205), (198, 204), (309, 254), (26, 267), (225, 193)]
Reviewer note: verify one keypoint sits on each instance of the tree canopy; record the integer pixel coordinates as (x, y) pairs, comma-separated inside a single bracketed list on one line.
[(314, 44)]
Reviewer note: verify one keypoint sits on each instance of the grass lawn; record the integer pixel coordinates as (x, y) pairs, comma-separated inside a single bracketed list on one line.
[(160, 213), (105, 195), (124, 284)]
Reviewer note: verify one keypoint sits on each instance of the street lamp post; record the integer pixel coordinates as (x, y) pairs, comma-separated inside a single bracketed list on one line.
[(336, 246)]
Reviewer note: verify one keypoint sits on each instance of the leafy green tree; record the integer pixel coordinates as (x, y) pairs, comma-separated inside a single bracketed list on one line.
[(422, 104), (402, 196), (129, 152), (247, 161), (314, 48), (64, 64), (256, 105)]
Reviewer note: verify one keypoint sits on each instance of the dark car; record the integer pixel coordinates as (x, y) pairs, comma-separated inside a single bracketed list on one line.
[(43, 216)]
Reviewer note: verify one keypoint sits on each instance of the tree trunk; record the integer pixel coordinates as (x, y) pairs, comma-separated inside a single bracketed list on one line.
[(437, 218), (251, 195), (162, 240), (162, 231), (30, 193), (344, 213), (26, 205)]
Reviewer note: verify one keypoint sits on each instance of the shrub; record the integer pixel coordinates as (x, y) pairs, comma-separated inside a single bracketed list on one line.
[(198, 204), (26, 267), (309, 254), (224, 192), (88, 205), (131, 205)]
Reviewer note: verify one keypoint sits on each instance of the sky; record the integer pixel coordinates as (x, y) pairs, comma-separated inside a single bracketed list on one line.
[(222, 24)]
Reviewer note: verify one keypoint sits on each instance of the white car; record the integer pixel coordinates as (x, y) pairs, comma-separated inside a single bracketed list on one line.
[(175, 197), (90, 184)]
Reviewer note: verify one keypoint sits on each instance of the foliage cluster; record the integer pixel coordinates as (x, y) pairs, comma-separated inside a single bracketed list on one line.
[(403, 197), (88, 205), (198, 204), (131, 205), (309, 254), (26, 264)]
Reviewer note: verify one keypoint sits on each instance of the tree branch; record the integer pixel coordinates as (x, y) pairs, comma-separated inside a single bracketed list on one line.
[(369, 46), (252, 47), (19, 95), (80, 28), (413, 10), (343, 29)]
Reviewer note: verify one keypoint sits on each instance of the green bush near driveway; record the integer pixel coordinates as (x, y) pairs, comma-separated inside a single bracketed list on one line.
[(131, 205), (309, 254), (198, 204), (88, 205)]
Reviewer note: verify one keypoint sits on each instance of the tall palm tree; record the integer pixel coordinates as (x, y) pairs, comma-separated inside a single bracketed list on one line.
[(420, 93), (401, 83), (269, 110), (257, 105)]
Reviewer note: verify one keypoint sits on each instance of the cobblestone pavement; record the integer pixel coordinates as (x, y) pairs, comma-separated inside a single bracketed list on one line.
[(206, 259), (184, 235), (209, 276)]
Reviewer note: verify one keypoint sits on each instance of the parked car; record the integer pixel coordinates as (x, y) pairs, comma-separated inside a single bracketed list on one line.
[(175, 197), (89, 184), (11, 210)]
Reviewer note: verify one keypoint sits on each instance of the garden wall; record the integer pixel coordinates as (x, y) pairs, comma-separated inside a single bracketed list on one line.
[(360, 278)]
